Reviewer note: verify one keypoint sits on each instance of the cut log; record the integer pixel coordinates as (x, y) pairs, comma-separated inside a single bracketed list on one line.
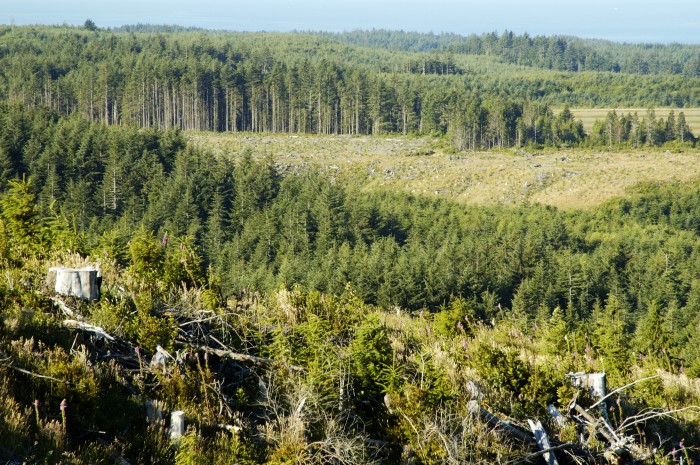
[(243, 357), (600, 426), (492, 420), (543, 441), (83, 283)]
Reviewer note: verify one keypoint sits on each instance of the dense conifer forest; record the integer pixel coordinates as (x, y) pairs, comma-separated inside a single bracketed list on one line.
[(473, 89), (295, 317)]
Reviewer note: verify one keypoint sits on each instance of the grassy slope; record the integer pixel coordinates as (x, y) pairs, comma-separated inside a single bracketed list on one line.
[(565, 179)]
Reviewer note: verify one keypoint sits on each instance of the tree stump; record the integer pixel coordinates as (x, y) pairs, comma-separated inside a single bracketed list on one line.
[(177, 425), (83, 283)]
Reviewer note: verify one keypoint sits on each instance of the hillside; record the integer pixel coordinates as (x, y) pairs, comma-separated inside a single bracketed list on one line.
[(364, 248), (299, 376)]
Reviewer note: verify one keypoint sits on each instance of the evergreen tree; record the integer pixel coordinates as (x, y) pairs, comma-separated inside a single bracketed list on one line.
[(20, 217), (610, 337), (650, 338)]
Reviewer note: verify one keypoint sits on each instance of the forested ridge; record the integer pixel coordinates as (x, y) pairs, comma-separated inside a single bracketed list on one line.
[(316, 83), (295, 317), (562, 53)]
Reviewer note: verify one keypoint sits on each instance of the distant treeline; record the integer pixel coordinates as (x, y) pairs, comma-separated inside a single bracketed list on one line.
[(308, 83), (561, 53)]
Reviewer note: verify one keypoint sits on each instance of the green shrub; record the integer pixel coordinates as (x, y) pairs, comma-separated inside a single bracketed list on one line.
[(454, 319)]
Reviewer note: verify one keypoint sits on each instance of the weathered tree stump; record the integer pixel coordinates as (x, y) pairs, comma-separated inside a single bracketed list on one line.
[(177, 425), (83, 283), (595, 382)]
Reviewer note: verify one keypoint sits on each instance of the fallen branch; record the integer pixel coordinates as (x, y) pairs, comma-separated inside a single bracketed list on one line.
[(535, 455), (415, 430), (99, 332), (641, 418), (204, 320), (37, 375), (611, 438), (475, 409), (243, 357), (65, 308)]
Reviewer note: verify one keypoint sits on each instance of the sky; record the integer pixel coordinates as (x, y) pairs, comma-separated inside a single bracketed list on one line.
[(644, 21)]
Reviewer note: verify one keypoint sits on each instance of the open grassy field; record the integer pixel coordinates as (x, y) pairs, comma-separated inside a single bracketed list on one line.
[(565, 179), (588, 116)]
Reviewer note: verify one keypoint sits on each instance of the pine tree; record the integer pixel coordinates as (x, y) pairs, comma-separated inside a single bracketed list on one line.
[(650, 338), (610, 337), (21, 218), (557, 333), (682, 131)]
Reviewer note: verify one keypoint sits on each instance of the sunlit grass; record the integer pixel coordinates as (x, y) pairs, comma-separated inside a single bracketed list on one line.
[(571, 178)]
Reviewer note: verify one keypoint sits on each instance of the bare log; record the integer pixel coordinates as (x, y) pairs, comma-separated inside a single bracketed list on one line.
[(65, 309), (81, 325), (475, 408), (559, 419), (37, 375), (243, 357), (543, 441)]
